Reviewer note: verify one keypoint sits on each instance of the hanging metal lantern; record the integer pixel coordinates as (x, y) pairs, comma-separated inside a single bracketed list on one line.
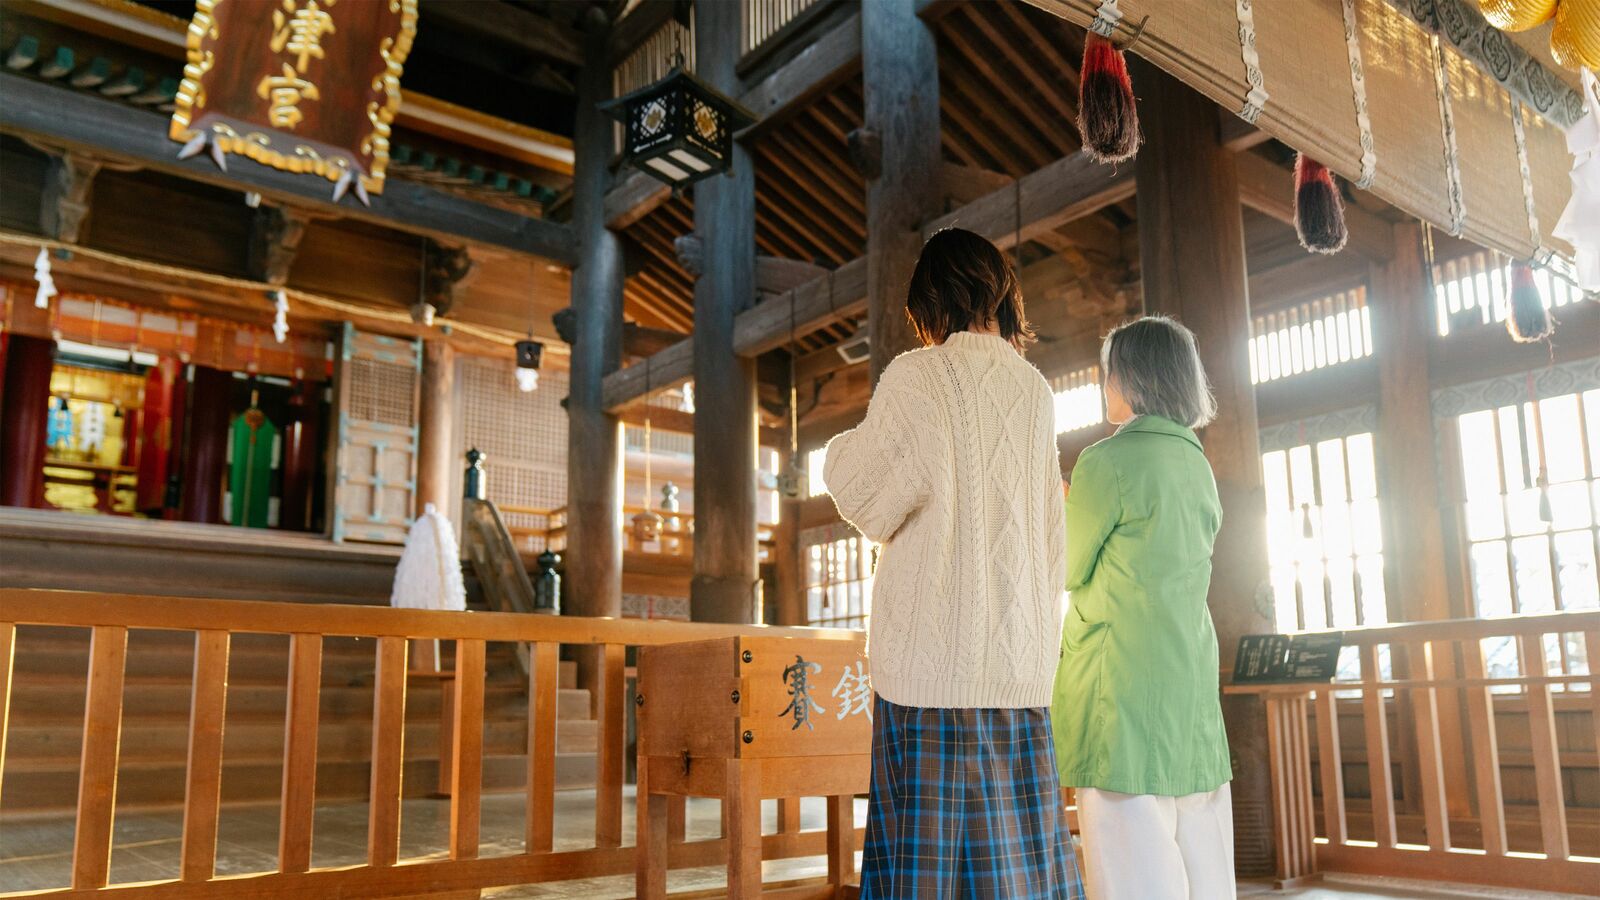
[(547, 584), (529, 354), (678, 129)]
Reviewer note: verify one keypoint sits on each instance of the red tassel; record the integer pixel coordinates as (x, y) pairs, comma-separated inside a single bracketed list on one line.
[(1108, 118), (1318, 208), (1529, 321)]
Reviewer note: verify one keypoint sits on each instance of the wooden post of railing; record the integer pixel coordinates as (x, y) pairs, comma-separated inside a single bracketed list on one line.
[(97, 774), (388, 753), (8, 643), (1377, 727), (841, 838), (1546, 761), (1485, 752), (300, 753), (1289, 760), (466, 782), (543, 681), (608, 764), (1430, 757), (203, 779), (1330, 761), (1591, 648), (789, 815)]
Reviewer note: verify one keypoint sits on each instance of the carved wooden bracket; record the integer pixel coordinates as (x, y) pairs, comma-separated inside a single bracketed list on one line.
[(865, 147), (65, 201), (691, 254), (445, 270), (275, 233)]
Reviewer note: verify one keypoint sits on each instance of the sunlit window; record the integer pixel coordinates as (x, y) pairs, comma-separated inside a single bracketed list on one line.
[(1325, 539), (814, 460), (1079, 403), (1310, 335), (839, 566), (1474, 290), (1529, 479)]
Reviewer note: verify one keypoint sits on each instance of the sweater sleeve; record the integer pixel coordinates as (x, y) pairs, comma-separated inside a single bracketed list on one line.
[(874, 472), (1094, 504)]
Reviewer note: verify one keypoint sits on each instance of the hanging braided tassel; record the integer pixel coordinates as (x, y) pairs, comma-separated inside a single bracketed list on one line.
[(1529, 320), (1108, 118), (1318, 208)]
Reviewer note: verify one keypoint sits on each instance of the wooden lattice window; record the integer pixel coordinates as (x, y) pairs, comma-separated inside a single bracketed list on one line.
[(1473, 290), (1311, 335), (839, 567), (1079, 402), (524, 437)]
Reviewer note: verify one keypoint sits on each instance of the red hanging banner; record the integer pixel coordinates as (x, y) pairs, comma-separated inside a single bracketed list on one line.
[(300, 85)]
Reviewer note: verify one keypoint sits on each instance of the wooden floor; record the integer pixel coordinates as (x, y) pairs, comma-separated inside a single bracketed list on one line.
[(35, 851)]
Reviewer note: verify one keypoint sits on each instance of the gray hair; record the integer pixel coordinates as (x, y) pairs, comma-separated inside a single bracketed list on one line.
[(1157, 368)]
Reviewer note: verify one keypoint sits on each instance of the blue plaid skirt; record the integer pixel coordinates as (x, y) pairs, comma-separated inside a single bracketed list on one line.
[(965, 803)]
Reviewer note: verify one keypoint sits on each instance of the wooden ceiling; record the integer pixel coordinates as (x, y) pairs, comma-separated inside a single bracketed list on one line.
[(1008, 106)]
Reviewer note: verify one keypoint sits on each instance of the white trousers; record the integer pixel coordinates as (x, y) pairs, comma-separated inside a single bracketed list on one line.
[(1145, 847)]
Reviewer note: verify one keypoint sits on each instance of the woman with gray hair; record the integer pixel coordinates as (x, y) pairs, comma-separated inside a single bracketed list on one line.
[(1136, 709)]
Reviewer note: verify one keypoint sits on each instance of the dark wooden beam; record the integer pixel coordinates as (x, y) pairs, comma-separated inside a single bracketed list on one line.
[(900, 87), (634, 196), (65, 118), (726, 571), (508, 24), (1067, 189), (1192, 264), (776, 275)]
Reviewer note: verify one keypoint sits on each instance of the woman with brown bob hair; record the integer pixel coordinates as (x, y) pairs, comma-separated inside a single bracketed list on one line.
[(954, 472)]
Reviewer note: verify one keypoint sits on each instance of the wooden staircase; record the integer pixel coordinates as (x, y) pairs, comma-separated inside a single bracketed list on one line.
[(47, 717)]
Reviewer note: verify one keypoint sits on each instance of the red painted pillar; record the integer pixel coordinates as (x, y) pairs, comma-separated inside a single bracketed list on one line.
[(24, 416), (206, 453), (302, 445)]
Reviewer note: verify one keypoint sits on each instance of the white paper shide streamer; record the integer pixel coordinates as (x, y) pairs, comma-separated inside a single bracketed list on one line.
[(1580, 222), (280, 315), (41, 274), (429, 574)]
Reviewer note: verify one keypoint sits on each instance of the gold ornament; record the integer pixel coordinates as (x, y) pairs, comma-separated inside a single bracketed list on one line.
[(1517, 15), (1575, 38)]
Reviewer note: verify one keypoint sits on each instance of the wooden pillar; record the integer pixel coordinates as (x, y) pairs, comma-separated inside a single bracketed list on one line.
[(436, 457), (1415, 560), (206, 448), (1192, 260), (302, 449), (24, 417), (594, 439), (899, 146), (725, 570)]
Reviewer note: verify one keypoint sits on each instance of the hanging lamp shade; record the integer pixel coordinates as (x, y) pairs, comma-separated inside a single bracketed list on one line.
[(679, 129)]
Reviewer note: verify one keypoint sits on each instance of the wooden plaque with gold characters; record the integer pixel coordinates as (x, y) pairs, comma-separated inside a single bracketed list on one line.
[(754, 697), (301, 85)]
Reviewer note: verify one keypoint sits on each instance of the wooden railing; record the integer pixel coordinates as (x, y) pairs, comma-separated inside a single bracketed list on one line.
[(213, 622), (1437, 670)]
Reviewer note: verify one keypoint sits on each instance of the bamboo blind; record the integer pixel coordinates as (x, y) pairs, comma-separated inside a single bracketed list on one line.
[(524, 436), (1305, 70)]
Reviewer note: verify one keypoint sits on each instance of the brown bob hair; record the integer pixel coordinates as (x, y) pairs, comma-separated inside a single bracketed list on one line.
[(962, 280)]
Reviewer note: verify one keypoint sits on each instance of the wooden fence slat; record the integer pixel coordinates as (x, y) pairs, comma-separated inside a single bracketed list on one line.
[(1546, 761), (841, 837), (544, 681), (300, 753), (97, 774), (202, 793), (1375, 718), (1331, 763), (466, 785), (388, 752), (8, 645), (789, 815), (1591, 649), (1430, 759), (1485, 753), (608, 767)]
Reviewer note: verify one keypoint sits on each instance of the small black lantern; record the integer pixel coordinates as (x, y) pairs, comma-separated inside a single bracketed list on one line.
[(547, 585), (529, 354), (679, 129)]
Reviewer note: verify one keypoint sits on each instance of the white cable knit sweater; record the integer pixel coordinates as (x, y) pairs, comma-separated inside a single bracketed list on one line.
[(955, 472)]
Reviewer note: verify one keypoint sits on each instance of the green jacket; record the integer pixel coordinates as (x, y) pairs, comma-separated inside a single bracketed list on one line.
[(1137, 707)]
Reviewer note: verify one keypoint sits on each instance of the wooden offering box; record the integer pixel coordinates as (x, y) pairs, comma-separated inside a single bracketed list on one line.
[(744, 719)]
